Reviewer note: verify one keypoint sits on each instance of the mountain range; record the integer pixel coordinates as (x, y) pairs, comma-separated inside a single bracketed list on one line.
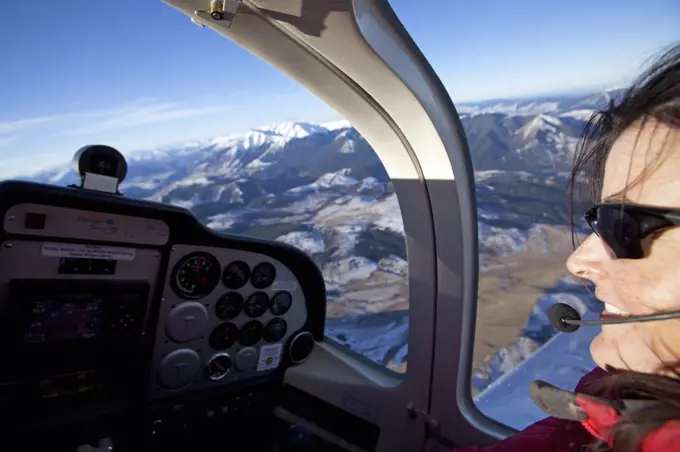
[(322, 188)]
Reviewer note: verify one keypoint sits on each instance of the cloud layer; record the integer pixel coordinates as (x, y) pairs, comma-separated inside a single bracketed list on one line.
[(138, 113)]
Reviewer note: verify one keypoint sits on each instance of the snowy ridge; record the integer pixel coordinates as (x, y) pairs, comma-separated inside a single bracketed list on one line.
[(373, 335), (335, 125), (581, 115), (494, 241), (540, 124), (349, 269), (555, 105), (329, 180), (393, 264), (269, 135), (311, 242), (511, 108)]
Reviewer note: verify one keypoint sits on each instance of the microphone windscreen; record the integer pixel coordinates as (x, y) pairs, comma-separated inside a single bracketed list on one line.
[(560, 311)]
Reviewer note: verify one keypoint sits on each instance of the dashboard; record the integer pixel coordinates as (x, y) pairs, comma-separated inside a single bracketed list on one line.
[(131, 320)]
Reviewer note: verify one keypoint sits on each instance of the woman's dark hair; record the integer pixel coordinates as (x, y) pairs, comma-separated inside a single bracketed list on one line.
[(653, 96)]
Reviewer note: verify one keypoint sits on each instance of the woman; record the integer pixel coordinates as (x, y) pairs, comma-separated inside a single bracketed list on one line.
[(630, 155)]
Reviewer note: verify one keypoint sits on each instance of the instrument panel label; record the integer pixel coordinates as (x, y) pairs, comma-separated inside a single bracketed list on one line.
[(87, 251), (290, 286), (270, 357)]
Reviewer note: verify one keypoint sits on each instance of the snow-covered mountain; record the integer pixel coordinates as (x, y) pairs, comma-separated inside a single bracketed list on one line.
[(321, 187), (554, 105)]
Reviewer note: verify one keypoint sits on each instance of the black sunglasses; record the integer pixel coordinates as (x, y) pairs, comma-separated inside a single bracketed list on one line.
[(623, 226)]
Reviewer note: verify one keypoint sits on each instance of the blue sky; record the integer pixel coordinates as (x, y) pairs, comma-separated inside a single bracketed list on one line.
[(137, 74)]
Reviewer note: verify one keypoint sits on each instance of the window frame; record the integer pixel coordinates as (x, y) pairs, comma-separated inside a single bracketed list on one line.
[(454, 215), (348, 82), (366, 67)]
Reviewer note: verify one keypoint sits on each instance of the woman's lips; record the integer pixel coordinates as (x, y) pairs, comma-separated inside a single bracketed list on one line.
[(612, 312)]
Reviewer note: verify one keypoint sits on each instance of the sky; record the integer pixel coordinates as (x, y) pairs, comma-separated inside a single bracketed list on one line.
[(137, 74)]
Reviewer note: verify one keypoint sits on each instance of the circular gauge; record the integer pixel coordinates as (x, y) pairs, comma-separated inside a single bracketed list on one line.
[(196, 275), (178, 368), (251, 333), (229, 306), (218, 366), (281, 302), (236, 275), (223, 336), (275, 330), (246, 359), (256, 305), (186, 321), (263, 275)]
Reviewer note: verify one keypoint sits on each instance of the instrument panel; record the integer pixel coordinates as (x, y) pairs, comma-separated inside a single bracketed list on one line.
[(128, 315), (225, 316)]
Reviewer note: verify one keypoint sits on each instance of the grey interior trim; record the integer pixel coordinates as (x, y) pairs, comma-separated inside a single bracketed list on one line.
[(356, 57), (458, 276)]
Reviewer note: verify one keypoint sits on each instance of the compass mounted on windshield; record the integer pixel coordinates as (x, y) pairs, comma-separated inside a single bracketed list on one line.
[(100, 168)]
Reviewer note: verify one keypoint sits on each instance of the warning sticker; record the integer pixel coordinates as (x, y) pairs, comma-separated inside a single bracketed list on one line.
[(87, 251), (270, 357), (290, 286)]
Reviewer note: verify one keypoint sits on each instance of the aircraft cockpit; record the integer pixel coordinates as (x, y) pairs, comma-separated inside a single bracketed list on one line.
[(336, 260), (131, 321)]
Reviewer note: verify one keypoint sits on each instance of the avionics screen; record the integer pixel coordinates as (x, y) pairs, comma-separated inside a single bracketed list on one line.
[(63, 319)]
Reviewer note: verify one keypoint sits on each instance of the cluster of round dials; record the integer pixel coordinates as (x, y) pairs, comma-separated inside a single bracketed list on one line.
[(196, 275), (231, 305)]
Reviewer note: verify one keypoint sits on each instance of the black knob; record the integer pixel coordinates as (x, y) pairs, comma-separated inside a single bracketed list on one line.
[(301, 347)]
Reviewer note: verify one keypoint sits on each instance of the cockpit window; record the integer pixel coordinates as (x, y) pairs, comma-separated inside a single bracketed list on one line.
[(245, 149), (525, 76)]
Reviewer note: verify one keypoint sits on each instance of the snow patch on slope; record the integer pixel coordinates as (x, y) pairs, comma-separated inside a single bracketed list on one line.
[(539, 124), (373, 335), (394, 265), (581, 115), (335, 125), (311, 242), (348, 269), (339, 178)]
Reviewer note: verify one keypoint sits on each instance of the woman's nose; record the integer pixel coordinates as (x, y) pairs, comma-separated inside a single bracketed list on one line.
[(589, 260)]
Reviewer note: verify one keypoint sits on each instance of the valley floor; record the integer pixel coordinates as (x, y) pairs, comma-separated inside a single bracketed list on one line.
[(507, 295), (381, 292), (508, 290)]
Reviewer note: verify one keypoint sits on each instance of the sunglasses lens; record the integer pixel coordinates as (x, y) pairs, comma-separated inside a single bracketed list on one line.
[(591, 218), (619, 230)]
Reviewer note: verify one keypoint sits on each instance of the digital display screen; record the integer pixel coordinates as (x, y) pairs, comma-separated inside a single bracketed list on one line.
[(63, 320), (34, 220)]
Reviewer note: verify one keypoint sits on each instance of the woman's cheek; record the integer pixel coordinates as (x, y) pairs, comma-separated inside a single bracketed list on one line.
[(624, 346), (642, 289), (665, 341)]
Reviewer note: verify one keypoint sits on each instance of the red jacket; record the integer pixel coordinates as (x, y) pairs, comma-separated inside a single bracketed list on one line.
[(550, 434), (597, 415)]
